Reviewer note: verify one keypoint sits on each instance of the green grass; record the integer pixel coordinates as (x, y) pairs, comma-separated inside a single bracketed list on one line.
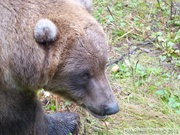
[(148, 95), (147, 85)]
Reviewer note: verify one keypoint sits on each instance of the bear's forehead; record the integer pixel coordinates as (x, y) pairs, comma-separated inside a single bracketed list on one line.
[(88, 44), (94, 42), (87, 56)]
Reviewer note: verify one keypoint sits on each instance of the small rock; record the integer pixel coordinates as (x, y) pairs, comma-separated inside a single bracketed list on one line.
[(115, 69), (47, 94)]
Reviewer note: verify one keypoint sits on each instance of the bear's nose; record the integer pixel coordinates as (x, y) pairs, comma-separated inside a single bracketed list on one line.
[(111, 109)]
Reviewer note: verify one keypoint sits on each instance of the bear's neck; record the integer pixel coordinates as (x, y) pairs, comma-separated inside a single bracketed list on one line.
[(20, 113)]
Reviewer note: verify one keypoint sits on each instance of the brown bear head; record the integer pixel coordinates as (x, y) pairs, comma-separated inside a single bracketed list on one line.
[(76, 53)]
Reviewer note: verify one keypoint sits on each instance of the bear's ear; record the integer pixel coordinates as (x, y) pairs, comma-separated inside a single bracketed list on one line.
[(45, 31), (86, 3)]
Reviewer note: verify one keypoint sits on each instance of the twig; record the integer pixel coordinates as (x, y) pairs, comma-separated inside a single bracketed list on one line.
[(57, 104), (125, 34), (68, 109), (149, 42), (159, 5), (105, 125), (110, 11), (121, 58), (171, 10)]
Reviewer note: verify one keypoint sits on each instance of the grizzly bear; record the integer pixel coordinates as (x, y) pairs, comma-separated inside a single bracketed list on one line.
[(58, 46)]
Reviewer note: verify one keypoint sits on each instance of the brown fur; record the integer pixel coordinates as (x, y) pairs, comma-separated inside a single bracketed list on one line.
[(18, 21), (26, 66)]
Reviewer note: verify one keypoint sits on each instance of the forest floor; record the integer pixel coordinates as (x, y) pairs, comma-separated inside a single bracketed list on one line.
[(143, 69)]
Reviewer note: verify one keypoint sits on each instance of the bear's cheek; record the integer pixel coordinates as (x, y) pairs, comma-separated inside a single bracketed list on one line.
[(95, 96)]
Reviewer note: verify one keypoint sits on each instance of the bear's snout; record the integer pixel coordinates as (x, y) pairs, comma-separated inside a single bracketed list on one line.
[(111, 109), (99, 99), (102, 112)]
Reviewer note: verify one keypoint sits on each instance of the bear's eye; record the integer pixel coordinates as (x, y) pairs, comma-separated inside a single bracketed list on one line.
[(86, 76)]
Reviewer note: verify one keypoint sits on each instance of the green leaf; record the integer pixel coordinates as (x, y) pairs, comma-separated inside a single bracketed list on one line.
[(178, 111), (170, 44), (177, 37), (53, 108), (162, 58), (160, 92), (173, 103), (67, 103), (178, 77), (159, 33)]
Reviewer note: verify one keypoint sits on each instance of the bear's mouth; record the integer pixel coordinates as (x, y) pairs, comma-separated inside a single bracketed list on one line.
[(91, 112), (96, 115)]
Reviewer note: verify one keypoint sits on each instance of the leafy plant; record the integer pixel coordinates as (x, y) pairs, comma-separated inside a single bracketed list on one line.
[(51, 106), (172, 101)]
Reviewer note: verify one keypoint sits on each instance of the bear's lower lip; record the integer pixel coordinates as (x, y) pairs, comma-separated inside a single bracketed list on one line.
[(96, 115)]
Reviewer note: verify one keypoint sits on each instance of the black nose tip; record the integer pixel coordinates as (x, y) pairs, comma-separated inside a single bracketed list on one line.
[(111, 109)]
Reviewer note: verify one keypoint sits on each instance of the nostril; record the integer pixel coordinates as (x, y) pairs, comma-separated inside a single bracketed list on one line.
[(111, 109)]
